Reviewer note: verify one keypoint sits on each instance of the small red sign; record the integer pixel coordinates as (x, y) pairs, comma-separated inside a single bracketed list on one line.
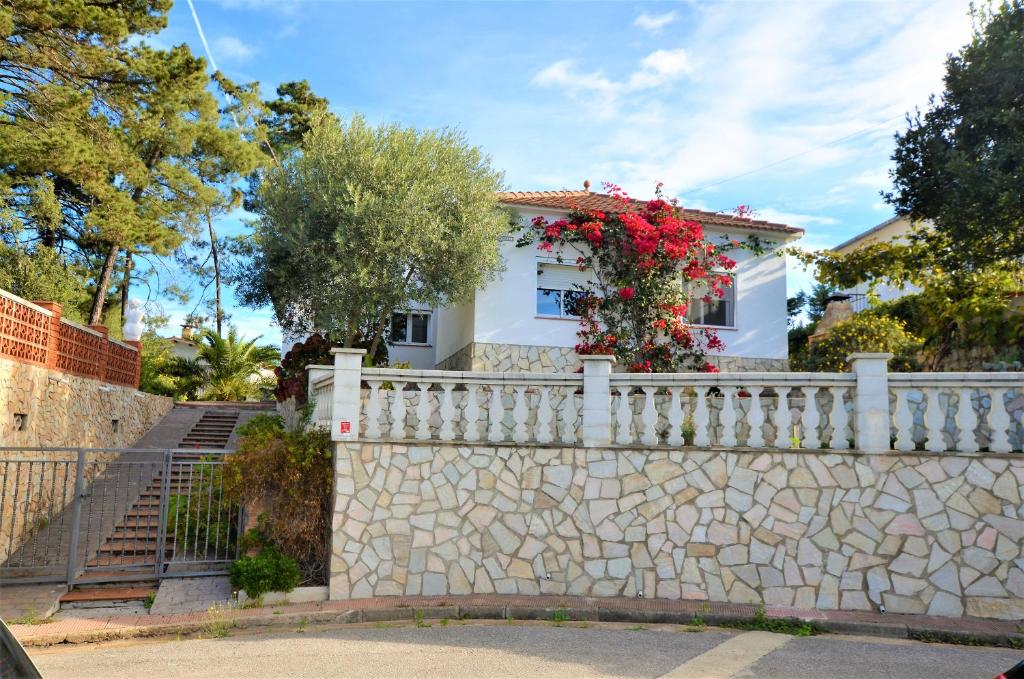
[(346, 427)]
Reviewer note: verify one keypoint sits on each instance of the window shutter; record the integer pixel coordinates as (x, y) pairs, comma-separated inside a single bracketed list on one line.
[(561, 277)]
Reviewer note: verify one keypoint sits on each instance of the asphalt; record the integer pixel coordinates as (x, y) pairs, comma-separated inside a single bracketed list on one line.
[(520, 649)]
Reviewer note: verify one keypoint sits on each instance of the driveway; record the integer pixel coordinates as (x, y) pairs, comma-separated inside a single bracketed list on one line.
[(490, 649)]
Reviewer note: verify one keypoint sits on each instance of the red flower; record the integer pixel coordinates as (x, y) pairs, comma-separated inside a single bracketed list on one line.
[(627, 293), (708, 368)]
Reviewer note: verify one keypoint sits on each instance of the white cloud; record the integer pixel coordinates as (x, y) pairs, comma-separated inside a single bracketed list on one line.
[(655, 22), (230, 48), (657, 69)]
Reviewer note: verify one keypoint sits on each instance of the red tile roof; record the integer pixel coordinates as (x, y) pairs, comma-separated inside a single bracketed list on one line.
[(562, 200)]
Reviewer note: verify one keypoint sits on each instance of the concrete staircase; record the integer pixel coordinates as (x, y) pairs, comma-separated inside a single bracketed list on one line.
[(118, 568)]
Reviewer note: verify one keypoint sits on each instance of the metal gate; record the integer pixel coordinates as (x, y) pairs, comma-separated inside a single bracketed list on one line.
[(101, 514)]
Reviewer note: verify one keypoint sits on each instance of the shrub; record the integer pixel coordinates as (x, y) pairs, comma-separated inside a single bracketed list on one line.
[(865, 332), (292, 377), (290, 472), (204, 519), (268, 571)]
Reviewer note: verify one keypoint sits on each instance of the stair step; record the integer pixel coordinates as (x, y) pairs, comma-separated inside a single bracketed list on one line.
[(107, 594), (122, 547)]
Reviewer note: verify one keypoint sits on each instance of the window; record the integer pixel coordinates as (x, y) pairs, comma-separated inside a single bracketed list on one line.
[(557, 293), (410, 328), (720, 311)]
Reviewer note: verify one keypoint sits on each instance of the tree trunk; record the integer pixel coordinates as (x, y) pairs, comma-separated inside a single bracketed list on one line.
[(379, 332), (103, 285), (216, 271), (126, 283)]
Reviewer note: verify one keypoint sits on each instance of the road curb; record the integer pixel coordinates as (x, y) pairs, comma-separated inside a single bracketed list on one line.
[(277, 618)]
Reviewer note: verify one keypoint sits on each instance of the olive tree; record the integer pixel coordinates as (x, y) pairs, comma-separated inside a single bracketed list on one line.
[(359, 221)]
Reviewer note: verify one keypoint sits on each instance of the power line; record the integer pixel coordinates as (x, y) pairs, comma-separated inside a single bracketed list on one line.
[(789, 158)]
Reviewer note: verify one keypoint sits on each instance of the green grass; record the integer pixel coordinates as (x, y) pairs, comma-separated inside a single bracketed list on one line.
[(149, 600), (962, 639), (559, 617), (419, 619), (31, 617), (762, 623)]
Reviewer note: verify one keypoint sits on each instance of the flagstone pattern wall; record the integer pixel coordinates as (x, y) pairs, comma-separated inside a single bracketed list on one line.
[(940, 534)]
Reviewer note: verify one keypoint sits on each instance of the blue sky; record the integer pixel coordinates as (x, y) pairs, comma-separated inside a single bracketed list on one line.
[(788, 107)]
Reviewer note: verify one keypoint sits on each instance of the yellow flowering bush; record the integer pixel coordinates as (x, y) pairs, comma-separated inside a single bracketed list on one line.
[(865, 332)]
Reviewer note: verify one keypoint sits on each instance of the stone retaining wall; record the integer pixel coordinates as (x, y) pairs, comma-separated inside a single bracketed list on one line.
[(62, 410), (936, 534), (488, 357)]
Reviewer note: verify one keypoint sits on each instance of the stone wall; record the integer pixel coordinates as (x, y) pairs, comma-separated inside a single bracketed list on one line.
[(61, 410), (488, 357), (936, 534)]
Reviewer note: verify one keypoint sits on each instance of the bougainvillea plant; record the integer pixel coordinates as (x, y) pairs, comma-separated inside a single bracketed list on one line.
[(292, 378), (645, 258)]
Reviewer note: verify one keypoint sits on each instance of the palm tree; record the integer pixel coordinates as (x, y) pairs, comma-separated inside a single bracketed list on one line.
[(229, 368)]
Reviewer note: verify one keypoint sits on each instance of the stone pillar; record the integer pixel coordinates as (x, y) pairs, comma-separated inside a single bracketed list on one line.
[(104, 353), (597, 400), (871, 401), (56, 312), (345, 408)]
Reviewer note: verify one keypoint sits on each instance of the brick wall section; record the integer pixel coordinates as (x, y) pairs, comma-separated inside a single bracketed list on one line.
[(35, 333)]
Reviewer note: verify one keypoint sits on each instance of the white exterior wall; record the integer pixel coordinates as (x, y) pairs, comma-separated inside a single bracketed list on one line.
[(893, 230), (506, 310), (418, 356), (454, 329)]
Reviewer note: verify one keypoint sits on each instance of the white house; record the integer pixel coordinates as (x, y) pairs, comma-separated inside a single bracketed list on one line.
[(895, 229), (523, 321)]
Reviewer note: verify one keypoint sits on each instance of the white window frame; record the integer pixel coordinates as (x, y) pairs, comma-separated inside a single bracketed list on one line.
[(561, 288), (730, 296), (408, 327)]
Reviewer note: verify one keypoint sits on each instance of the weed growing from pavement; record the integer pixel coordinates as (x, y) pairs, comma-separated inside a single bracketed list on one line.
[(31, 617), (559, 617), (962, 639), (383, 625), (636, 628), (149, 600), (302, 624), (583, 625), (418, 617), (698, 623), (218, 625), (444, 622), (761, 622), (255, 602)]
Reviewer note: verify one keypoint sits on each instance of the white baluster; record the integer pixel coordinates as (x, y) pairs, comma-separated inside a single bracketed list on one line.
[(649, 417), (999, 423), (727, 418), (966, 421), (545, 416), (755, 418), (471, 414), (398, 411), (519, 414), (934, 418), (810, 418), (447, 431), (423, 411), (496, 413), (783, 419), (570, 413), (624, 417), (839, 420), (904, 421), (373, 410), (675, 419), (701, 436)]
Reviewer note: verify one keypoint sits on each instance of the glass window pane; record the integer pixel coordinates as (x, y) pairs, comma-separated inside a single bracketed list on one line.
[(571, 302), (548, 302), (716, 313), (420, 322), (398, 327)]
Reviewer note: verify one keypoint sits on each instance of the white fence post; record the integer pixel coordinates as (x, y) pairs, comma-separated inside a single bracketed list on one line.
[(345, 411), (871, 401), (597, 400)]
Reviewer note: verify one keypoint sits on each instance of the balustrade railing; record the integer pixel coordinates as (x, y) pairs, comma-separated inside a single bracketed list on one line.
[(775, 410), (868, 409)]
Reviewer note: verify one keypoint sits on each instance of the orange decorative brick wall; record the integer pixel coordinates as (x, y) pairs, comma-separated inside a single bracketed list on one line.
[(35, 333)]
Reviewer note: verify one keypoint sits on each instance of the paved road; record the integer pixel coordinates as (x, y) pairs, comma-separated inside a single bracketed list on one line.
[(523, 650)]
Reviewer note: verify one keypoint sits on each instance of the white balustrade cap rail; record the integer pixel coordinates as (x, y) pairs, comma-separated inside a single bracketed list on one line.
[(961, 379), (466, 377), (746, 379)]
